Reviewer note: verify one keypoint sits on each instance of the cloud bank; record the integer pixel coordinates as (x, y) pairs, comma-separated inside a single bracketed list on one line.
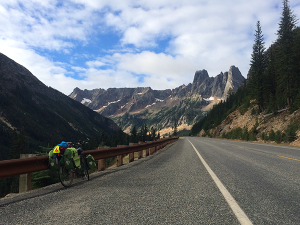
[(161, 43)]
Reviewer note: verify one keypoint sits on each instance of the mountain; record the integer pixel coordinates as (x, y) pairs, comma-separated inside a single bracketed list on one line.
[(44, 114), (161, 108)]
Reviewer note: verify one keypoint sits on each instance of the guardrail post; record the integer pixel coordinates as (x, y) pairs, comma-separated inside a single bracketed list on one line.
[(25, 179), (119, 160), (101, 165), (101, 162), (131, 157), (120, 157), (139, 152)]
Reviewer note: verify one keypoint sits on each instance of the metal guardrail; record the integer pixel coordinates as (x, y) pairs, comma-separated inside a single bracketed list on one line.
[(13, 167)]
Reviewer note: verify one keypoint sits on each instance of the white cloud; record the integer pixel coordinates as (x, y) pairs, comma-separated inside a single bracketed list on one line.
[(150, 63), (198, 34), (95, 63)]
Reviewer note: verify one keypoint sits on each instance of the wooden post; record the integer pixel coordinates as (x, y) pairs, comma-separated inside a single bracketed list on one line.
[(120, 157), (101, 165), (131, 155), (141, 152), (140, 155), (25, 179), (119, 160)]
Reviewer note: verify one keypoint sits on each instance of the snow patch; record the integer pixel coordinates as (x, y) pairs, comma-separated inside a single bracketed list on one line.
[(150, 105), (85, 100), (209, 99), (113, 102), (159, 100)]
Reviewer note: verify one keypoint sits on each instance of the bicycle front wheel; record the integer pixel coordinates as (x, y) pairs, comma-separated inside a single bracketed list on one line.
[(66, 176)]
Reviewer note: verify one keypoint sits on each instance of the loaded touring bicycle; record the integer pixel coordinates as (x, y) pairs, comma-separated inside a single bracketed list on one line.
[(70, 162)]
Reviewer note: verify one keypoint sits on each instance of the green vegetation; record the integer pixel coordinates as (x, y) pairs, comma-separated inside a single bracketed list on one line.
[(274, 83), (188, 107)]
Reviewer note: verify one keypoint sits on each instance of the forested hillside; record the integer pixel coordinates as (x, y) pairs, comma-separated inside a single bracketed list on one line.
[(273, 80)]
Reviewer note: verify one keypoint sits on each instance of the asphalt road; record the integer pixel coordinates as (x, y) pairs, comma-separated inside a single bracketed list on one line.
[(173, 186)]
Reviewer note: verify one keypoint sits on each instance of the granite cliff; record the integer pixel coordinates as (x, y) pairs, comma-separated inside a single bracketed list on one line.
[(161, 108)]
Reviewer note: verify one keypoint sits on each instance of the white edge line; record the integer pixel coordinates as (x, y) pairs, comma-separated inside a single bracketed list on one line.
[(239, 213)]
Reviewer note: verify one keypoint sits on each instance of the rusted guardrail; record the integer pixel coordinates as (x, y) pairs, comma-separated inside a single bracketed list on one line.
[(13, 167)]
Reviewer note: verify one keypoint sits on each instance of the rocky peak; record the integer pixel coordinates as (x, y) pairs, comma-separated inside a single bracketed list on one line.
[(200, 76), (234, 80)]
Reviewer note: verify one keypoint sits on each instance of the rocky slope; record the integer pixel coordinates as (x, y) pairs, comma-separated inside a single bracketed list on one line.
[(266, 122), (161, 108), (44, 114)]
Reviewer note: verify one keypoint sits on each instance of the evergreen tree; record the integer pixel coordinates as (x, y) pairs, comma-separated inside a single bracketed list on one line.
[(144, 132), (158, 136), (152, 133), (269, 94), (285, 41), (133, 134), (258, 65), (175, 128), (19, 144)]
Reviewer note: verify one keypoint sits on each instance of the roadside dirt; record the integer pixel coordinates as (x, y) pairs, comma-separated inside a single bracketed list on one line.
[(277, 122)]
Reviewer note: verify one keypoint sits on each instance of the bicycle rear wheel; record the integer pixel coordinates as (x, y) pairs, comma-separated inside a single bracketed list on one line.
[(85, 168), (66, 176)]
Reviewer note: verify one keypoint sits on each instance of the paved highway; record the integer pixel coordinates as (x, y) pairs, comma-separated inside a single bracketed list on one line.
[(192, 181)]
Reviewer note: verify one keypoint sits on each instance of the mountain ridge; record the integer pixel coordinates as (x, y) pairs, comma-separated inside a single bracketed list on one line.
[(46, 115), (122, 104)]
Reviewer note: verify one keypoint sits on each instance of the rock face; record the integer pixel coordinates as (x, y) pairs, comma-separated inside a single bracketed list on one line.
[(115, 102), (46, 115)]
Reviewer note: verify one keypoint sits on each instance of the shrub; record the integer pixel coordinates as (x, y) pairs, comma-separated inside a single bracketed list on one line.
[(291, 132), (264, 136), (277, 136), (252, 137), (272, 135)]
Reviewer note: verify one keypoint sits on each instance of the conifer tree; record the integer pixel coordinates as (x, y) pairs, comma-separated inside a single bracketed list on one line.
[(286, 74), (258, 65), (133, 134), (152, 133), (175, 128), (269, 81)]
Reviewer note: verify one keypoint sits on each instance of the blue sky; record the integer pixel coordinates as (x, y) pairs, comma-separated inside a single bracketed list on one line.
[(133, 43)]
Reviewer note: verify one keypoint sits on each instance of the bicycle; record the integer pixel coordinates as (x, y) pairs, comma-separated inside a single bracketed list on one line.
[(67, 169)]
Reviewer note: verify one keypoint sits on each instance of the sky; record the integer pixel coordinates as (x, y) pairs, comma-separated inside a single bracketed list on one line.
[(133, 43)]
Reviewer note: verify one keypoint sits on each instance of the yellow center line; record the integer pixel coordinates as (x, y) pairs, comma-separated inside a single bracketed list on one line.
[(288, 158), (240, 147)]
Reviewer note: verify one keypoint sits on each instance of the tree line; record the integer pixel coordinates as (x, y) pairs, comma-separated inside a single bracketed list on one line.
[(273, 80), (274, 76)]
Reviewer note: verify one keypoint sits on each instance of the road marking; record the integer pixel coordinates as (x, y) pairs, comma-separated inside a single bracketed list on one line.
[(240, 147), (288, 158), (239, 213)]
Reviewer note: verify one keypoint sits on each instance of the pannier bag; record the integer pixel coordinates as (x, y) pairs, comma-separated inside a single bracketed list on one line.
[(90, 161), (52, 161), (71, 158)]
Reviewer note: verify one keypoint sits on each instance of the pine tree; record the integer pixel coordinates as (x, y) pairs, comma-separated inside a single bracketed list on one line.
[(19, 144), (258, 65), (134, 134), (152, 133), (269, 81), (285, 42), (144, 132), (175, 128)]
